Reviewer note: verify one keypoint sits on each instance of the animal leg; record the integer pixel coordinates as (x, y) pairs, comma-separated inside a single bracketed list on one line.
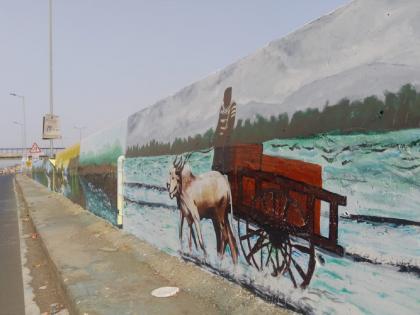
[(193, 237), (189, 241), (221, 216), (217, 231), (195, 218), (232, 244), (229, 238), (223, 237), (200, 236), (181, 226)]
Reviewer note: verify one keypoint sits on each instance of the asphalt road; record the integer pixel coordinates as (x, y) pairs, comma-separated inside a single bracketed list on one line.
[(11, 287)]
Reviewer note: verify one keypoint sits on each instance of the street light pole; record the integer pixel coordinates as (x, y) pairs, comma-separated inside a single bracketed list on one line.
[(22, 136), (80, 132), (51, 70), (24, 127), (22, 97)]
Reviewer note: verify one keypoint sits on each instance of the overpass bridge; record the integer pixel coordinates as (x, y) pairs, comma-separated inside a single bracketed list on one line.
[(17, 153)]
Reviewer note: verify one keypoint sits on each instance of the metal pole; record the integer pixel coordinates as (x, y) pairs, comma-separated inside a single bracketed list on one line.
[(80, 132), (51, 71), (24, 129), (22, 138)]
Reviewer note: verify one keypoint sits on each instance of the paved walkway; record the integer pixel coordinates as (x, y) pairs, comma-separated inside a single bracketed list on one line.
[(106, 271), (11, 285)]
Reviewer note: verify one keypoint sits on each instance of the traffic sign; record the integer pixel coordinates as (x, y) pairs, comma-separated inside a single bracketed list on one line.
[(35, 148)]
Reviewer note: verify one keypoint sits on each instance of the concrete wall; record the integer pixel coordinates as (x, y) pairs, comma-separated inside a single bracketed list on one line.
[(275, 255), (321, 168)]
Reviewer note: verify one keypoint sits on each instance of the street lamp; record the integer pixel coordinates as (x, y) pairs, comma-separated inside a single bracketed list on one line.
[(22, 144), (50, 37), (80, 132), (22, 97), (21, 125)]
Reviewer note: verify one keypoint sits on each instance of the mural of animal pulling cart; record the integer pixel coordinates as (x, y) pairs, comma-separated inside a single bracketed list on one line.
[(276, 202)]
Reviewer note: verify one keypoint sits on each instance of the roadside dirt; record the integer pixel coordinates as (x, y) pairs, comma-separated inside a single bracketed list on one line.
[(48, 294)]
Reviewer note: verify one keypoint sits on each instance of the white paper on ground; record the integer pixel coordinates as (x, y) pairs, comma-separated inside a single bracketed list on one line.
[(165, 291)]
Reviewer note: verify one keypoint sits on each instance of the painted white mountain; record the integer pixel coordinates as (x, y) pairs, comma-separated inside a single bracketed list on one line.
[(361, 49)]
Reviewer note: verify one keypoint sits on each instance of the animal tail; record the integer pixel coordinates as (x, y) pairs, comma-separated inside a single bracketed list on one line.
[(232, 226)]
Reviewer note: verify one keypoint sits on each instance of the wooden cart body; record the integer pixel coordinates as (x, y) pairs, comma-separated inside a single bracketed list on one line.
[(281, 198), (254, 176)]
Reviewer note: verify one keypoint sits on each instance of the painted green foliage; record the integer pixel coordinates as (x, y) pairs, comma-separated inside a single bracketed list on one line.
[(107, 155), (397, 111)]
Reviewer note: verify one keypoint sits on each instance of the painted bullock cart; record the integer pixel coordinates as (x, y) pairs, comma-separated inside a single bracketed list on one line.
[(277, 204)]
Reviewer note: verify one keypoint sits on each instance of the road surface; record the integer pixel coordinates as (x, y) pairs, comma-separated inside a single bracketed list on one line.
[(11, 287)]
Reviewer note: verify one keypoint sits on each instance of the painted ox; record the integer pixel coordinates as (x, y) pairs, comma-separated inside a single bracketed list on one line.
[(202, 196)]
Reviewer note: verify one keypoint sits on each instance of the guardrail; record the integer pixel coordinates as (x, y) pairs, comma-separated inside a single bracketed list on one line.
[(15, 153)]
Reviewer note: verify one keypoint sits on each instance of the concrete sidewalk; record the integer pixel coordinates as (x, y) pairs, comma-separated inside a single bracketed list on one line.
[(106, 271)]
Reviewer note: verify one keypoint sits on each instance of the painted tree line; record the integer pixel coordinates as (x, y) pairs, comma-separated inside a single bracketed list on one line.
[(396, 111)]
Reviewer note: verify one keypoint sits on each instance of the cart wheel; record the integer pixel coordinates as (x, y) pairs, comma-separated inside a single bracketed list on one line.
[(302, 257), (254, 243), (280, 253), (260, 252)]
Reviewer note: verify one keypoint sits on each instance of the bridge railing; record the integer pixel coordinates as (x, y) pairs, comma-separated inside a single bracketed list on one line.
[(18, 152)]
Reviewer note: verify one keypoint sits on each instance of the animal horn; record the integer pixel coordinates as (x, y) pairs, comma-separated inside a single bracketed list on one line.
[(187, 158), (182, 160), (179, 163)]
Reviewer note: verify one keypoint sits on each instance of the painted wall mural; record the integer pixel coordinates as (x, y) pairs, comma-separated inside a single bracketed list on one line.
[(98, 169), (294, 172), (318, 212), (86, 173), (309, 211)]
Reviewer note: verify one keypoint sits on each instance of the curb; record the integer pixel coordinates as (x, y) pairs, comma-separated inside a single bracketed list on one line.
[(72, 309)]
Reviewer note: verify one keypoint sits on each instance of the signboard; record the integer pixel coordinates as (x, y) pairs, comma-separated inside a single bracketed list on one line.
[(35, 148), (35, 151), (51, 127)]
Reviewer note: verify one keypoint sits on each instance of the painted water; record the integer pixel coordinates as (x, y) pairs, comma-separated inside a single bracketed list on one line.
[(379, 174), (78, 189), (97, 201)]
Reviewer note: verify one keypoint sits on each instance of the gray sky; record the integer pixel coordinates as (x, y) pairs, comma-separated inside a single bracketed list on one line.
[(112, 58)]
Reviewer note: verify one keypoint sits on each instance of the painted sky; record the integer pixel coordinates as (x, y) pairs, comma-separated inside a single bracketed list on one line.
[(112, 58)]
